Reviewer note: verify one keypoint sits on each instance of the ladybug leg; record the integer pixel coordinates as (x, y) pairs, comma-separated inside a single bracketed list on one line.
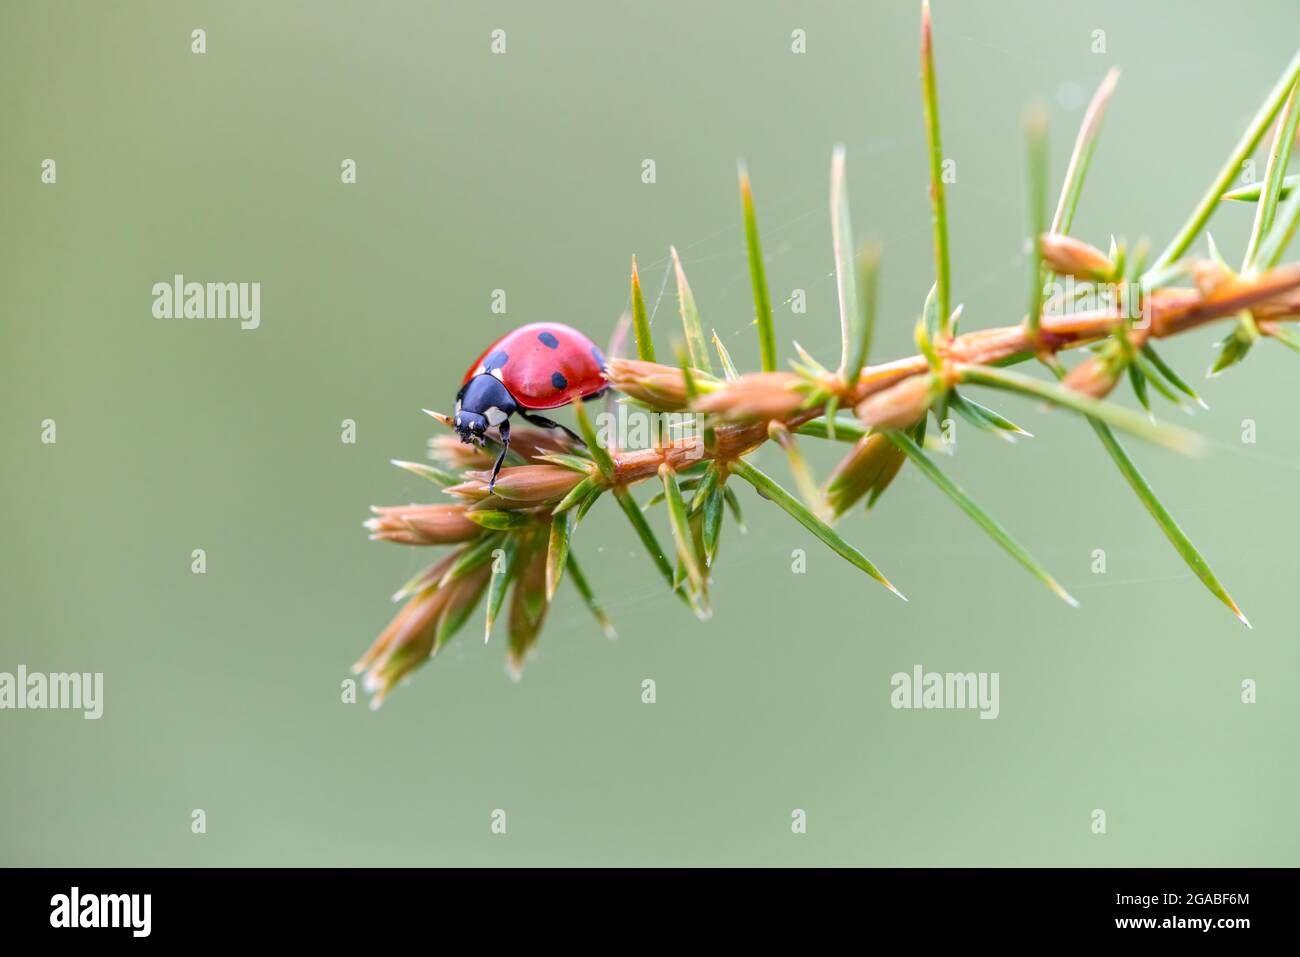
[(543, 422), (504, 429)]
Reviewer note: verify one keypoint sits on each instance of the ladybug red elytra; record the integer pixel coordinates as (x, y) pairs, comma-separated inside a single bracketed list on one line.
[(543, 365)]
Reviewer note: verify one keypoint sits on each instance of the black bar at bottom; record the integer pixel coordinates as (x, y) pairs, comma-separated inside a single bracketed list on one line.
[(382, 907)]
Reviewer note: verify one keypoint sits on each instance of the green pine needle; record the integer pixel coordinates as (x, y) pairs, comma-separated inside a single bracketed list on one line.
[(828, 415), (846, 429), (695, 344), (577, 495), (982, 518), (1278, 157), (574, 463), (645, 347), (688, 372), (1287, 337), (868, 265), (502, 576), (499, 520), (1138, 379), (1036, 168), (1234, 346), (644, 532), (770, 489), (799, 467), (703, 487), (737, 514), (845, 279), (758, 277), (680, 524), (604, 461), (1251, 192), (1172, 377), (1171, 437), (589, 598), (431, 472), (1158, 382), (712, 528), (451, 620), (1146, 494), (984, 418), (1183, 240), (938, 201), (1283, 231), (472, 557), (724, 357), (557, 553), (592, 498), (1081, 156)]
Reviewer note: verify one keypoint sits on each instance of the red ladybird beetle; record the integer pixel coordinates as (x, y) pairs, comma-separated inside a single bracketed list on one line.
[(543, 365)]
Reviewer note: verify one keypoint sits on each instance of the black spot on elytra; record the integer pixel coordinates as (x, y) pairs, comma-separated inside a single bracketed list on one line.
[(548, 340), (559, 381), (600, 359), (495, 361)]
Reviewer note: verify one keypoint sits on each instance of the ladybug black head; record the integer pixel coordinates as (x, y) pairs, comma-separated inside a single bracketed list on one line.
[(471, 426), (482, 404)]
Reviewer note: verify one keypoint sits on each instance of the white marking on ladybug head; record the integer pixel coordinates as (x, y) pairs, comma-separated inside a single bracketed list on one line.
[(498, 375), (480, 370), (458, 409), (495, 416)]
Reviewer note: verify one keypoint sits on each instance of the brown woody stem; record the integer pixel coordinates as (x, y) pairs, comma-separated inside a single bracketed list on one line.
[(1169, 312)]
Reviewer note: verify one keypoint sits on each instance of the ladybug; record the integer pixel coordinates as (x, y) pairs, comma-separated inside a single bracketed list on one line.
[(543, 365)]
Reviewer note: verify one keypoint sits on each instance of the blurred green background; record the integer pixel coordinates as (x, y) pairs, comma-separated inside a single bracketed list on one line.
[(523, 172)]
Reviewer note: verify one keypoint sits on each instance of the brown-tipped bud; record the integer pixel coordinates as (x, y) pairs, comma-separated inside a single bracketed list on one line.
[(1095, 376), (899, 406), (409, 626), (455, 454), (870, 466), (1067, 256), (758, 396), (659, 386), (528, 607), (529, 443), (521, 486), (422, 524), (410, 637), (462, 594)]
